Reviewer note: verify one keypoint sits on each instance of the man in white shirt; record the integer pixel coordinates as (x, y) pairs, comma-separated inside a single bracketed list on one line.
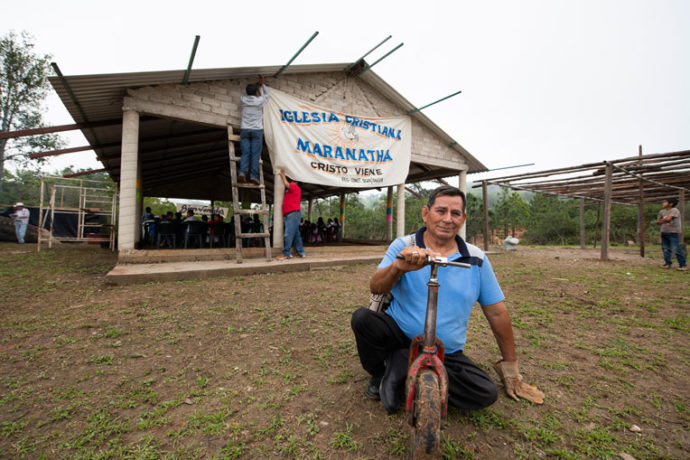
[(21, 221)]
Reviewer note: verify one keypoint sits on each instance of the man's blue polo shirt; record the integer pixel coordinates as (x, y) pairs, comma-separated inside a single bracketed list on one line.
[(460, 289)]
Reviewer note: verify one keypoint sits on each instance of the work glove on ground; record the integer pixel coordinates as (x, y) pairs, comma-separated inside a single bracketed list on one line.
[(512, 381)]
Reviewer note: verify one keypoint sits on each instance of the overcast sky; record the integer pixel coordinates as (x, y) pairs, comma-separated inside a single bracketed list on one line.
[(555, 83)]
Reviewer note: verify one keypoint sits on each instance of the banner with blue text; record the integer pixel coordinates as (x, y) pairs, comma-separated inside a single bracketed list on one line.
[(317, 145)]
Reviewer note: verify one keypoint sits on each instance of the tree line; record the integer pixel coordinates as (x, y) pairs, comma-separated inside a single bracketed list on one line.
[(536, 218)]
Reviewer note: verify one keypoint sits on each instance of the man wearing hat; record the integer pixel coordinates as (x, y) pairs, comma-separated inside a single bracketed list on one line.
[(21, 221)]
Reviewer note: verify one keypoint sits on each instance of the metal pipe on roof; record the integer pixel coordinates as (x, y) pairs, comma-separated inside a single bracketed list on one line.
[(84, 173), (55, 129), (52, 153), (367, 53), (379, 59), (72, 96), (435, 102), (296, 54), (510, 167), (68, 88), (185, 79)]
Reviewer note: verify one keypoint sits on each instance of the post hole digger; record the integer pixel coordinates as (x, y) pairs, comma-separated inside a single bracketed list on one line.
[(427, 382), (426, 386)]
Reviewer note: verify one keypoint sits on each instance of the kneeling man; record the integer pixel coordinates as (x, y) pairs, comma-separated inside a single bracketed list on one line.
[(383, 338)]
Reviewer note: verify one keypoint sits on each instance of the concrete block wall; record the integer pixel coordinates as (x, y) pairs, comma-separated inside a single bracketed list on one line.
[(424, 141), (333, 90)]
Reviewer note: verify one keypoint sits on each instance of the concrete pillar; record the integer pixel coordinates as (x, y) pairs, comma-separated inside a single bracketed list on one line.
[(140, 202), (342, 216), (389, 214), (278, 226), (462, 185), (130, 182), (400, 212)]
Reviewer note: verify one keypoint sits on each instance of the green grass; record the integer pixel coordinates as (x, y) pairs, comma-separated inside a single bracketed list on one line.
[(266, 366), (343, 440)]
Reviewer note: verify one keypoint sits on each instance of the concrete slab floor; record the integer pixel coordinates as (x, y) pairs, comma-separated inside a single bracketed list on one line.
[(186, 270)]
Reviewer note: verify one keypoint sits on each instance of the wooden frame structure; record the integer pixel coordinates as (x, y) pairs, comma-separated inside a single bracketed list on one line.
[(79, 197), (632, 180)]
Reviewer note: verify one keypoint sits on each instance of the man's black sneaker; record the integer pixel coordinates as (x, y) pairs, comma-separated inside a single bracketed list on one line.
[(373, 388)]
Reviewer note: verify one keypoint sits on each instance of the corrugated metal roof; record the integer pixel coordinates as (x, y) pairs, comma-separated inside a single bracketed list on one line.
[(101, 98)]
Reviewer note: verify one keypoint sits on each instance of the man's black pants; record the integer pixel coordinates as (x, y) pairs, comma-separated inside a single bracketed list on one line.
[(378, 335)]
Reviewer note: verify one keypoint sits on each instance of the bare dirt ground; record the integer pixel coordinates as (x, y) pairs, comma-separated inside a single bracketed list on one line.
[(265, 366)]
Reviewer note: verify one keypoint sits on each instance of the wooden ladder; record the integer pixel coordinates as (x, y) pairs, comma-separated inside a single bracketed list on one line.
[(238, 212)]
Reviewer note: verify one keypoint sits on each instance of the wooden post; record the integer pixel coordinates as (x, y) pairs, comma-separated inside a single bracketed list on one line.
[(641, 224), (309, 208), (389, 214), (400, 212), (462, 185), (596, 226), (681, 208), (485, 201), (52, 216), (606, 223), (342, 216), (582, 223), (40, 216)]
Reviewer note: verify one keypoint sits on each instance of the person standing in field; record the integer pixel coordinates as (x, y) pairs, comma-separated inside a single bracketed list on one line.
[(292, 217), (21, 221), (671, 234)]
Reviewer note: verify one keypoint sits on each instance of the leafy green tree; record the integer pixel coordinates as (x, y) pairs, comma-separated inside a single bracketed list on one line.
[(414, 202), (25, 184), (518, 211), (21, 185), (475, 217), (502, 211), (552, 220), (510, 212), (23, 86), (159, 206)]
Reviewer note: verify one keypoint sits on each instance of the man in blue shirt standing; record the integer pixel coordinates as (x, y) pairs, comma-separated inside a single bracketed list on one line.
[(251, 130), (383, 338)]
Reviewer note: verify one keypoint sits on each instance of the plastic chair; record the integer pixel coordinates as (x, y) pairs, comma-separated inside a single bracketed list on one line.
[(148, 229), (230, 234), (194, 229), (216, 231), (166, 229)]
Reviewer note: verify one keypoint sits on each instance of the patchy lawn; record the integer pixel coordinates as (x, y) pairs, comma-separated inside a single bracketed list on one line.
[(265, 366)]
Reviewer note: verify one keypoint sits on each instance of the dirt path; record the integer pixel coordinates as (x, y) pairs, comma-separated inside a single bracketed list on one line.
[(265, 366)]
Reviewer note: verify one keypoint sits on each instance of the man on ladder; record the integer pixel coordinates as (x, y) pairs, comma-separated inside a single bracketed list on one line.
[(251, 133), (251, 144)]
